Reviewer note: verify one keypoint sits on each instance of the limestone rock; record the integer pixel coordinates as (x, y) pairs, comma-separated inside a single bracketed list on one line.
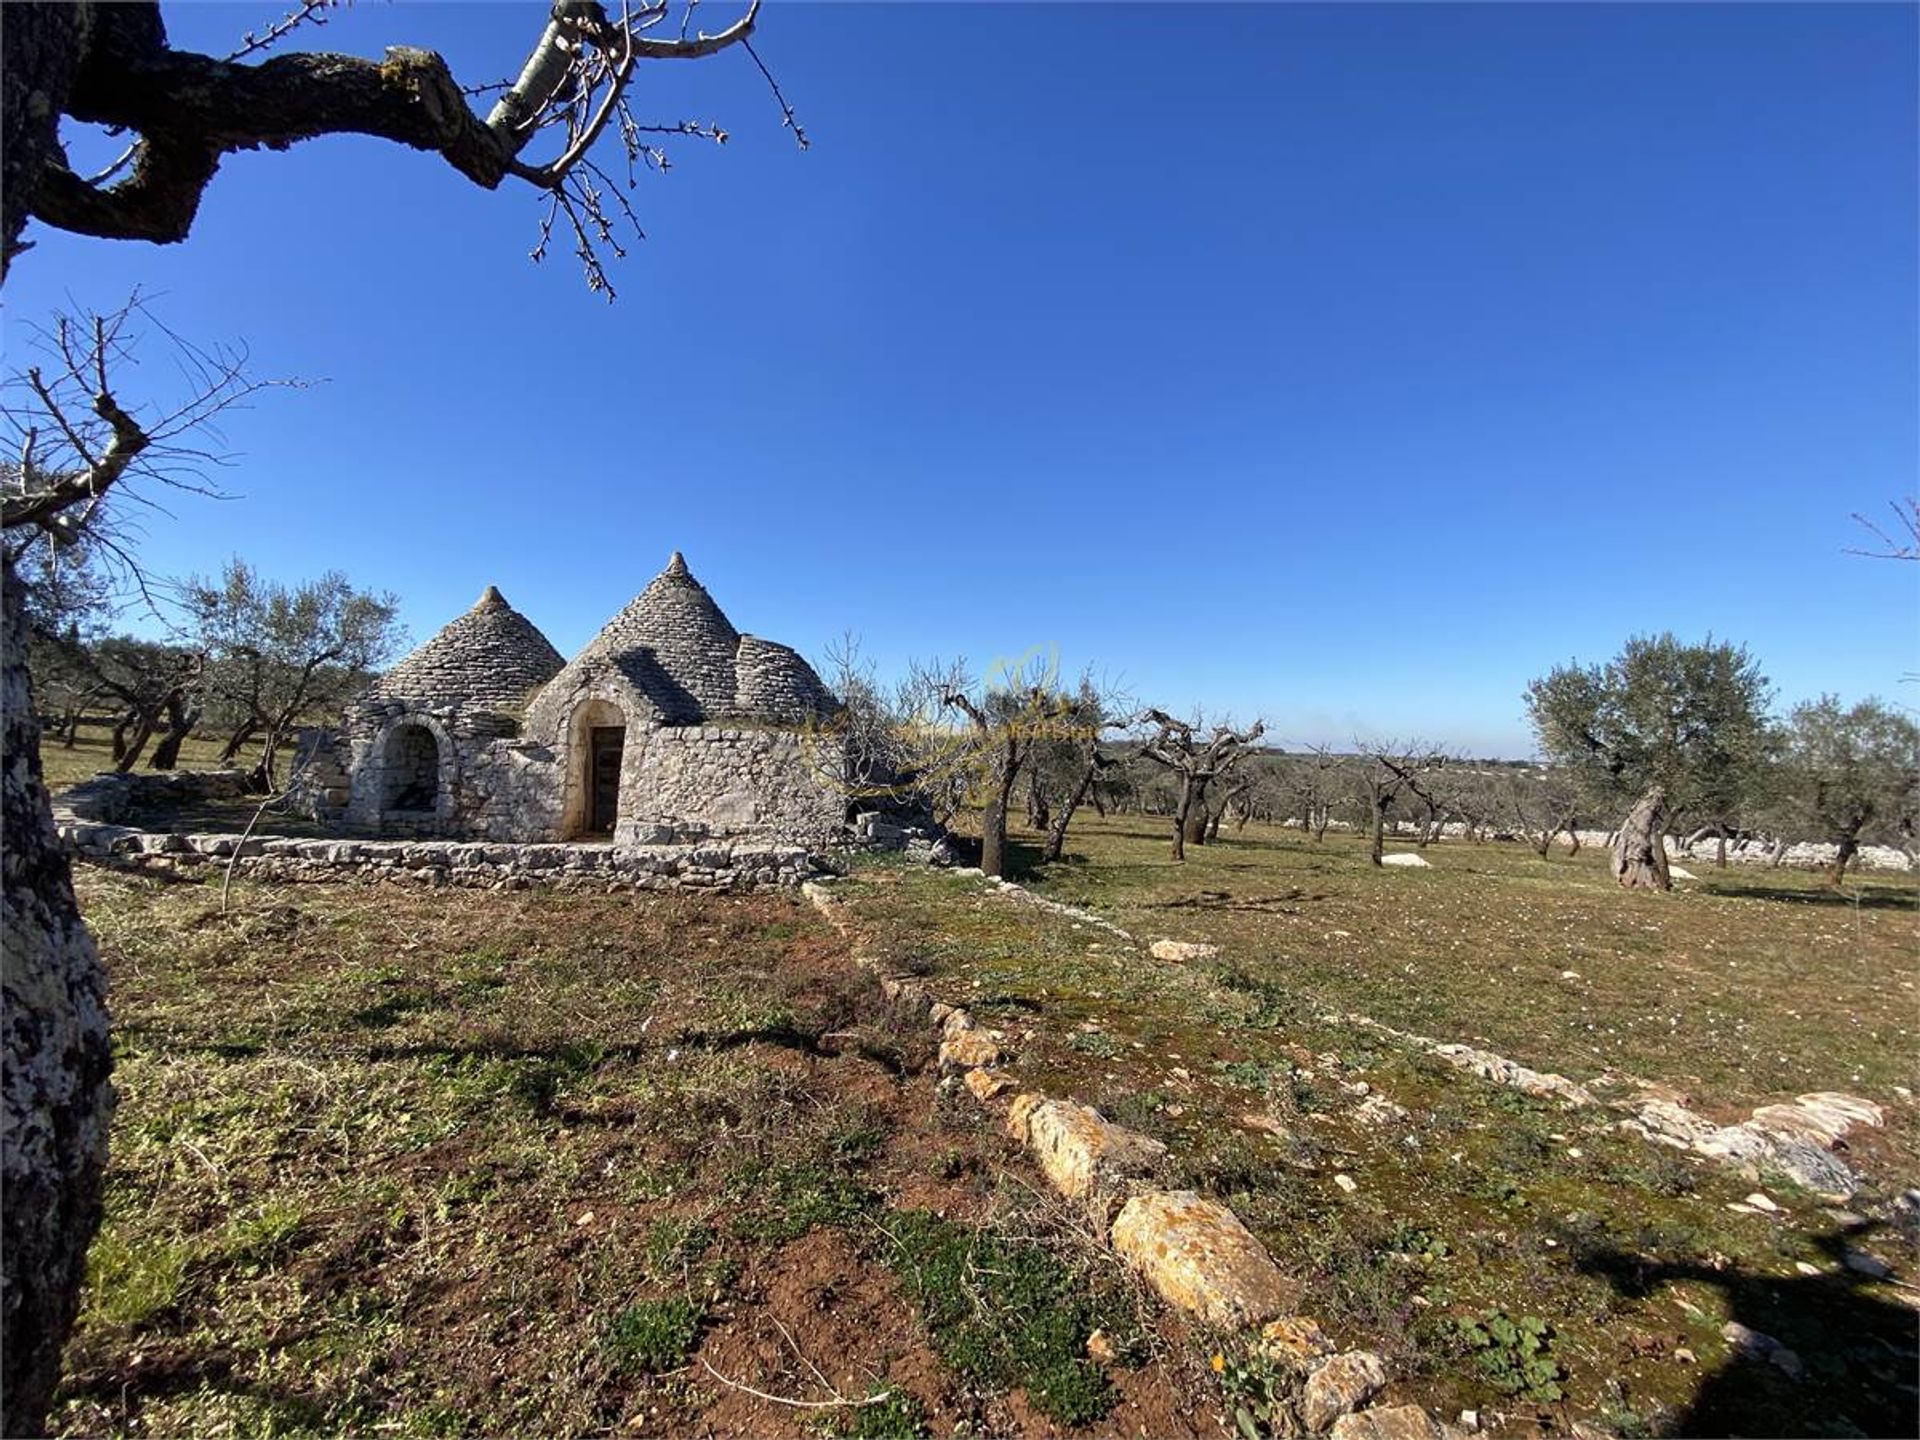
[(985, 1085), (1296, 1342), (1824, 1116), (1378, 1110), (1397, 1422), (1406, 861), (1083, 1154), (1341, 1386), (1200, 1259), (1020, 1114), (967, 1050), (1181, 952)]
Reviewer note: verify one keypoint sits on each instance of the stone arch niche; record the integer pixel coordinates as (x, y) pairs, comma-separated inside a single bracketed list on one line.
[(408, 784), (596, 752)]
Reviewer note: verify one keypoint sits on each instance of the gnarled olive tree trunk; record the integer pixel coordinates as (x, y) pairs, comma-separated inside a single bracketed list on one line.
[(1640, 849), (55, 1084)]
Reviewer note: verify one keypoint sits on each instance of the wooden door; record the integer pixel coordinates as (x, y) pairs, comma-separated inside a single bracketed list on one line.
[(604, 745)]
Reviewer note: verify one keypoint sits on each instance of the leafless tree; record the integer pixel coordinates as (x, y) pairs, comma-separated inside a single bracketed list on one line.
[(1541, 806), (1194, 763), (1903, 541), (1382, 774), (110, 64)]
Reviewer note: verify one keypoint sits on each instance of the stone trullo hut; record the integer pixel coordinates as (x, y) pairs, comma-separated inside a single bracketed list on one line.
[(670, 726)]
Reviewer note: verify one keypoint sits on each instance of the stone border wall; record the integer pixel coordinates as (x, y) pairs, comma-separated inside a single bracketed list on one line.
[(1194, 1252), (718, 865)]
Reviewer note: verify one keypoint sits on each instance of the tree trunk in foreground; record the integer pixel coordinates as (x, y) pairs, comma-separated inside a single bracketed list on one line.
[(1377, 844), (993, 822), (1640, 849), (55, 1084)]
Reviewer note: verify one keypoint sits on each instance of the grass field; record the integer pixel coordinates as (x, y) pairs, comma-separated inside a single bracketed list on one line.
[(1747, 987), (393, 1161), (423, 1162), (92, 752)]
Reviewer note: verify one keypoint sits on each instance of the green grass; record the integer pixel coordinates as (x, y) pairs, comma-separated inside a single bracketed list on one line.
[(395, 1160), (1747, 988), (654, 1336), (1004, 1313)]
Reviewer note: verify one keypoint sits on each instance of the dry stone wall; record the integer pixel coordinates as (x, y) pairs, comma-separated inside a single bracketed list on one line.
[(485, 865), (697, 780)]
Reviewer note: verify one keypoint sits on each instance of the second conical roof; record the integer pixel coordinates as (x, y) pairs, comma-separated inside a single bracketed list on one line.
[(492, 657)]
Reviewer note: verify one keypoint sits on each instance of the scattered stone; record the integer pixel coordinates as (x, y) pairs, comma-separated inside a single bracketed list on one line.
[(1341, 1386), (1806, 1267), (1406, 861), (1295, 1341), (1181, 952), (985, 1084), (1871, 1266), (1268, 1124), (969, 1050), (1747, 1341), (1685, 1356), (1679, 874), (1470, 1420), (1346, 1183), (1762, 1202), (1378, 1110), (1569, 974), (1083, 1154), (1788, 1363), (1200, 1259), (1100, 1348), (1397, 1422)]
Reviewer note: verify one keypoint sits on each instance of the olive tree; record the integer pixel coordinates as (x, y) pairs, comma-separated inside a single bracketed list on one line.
[(1852, 775), (1664, 728), (1193, 763), (277, 654), (1394, 771)]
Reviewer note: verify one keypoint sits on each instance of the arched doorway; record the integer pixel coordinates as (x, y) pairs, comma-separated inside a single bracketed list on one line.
[(411, 781), (599, 738)]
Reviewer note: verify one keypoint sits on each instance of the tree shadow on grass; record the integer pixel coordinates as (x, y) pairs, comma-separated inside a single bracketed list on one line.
[(1868, 897), (1825, 1356)]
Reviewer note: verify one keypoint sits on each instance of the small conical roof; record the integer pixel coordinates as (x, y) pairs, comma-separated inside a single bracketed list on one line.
[(492, 658)]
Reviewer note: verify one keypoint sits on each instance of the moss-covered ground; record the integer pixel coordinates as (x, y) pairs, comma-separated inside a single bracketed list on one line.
[(1510, 1256)]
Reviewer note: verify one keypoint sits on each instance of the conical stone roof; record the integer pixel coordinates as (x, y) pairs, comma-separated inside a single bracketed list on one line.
[(491, 658), (676, 646)]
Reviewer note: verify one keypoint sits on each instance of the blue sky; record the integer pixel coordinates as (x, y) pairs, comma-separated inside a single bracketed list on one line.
[(1345, 365)]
